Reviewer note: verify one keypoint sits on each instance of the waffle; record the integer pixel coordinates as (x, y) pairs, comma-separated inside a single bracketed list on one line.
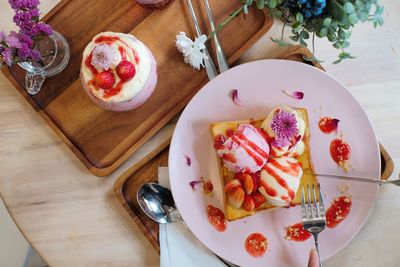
[(226, 175)]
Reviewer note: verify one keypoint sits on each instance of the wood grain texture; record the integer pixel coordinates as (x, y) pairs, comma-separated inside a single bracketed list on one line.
[(146, 170), (102, 139)]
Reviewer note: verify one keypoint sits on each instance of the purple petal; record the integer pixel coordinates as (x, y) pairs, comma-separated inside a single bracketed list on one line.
[(335, 123), (296, 94), (235, 97), (188, 160), (194, 183), (280, 143)]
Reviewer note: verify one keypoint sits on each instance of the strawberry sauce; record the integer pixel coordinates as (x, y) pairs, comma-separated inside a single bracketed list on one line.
[(327, 124), (338, 211), (296, 232), (256, 245), (216, 218)]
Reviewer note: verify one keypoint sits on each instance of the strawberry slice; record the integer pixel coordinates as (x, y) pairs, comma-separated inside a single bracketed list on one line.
[(105, 79), (248, 184), (327, 125), (259, 199), (236, 197), (249, 203), (234, 183), (126, 70)]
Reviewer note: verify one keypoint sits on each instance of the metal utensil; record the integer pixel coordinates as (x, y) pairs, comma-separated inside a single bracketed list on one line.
[(157, 202), (210, 68), (313, 213), (221, 58), (358, 179)]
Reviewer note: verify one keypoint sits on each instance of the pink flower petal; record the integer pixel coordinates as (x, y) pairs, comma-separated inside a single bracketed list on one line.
[(280, 143), (194, 183), (296, 94), (188, 160), (235, 97), (335, 123)]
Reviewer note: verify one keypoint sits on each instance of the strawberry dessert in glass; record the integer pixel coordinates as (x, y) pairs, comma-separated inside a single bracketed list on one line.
[(118, 71)]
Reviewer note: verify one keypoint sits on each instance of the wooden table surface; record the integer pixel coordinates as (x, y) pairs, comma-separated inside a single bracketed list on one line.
[(72, 218)]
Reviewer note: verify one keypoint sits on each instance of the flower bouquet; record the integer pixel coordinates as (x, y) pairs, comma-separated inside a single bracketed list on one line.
[(19, 47), (331, 19)]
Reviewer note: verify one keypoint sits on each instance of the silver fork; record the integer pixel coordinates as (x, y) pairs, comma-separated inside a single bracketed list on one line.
[(313, 213), (221, 58)]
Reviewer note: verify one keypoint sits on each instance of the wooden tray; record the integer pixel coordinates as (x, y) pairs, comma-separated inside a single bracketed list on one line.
[(147, 171), (101, 139)]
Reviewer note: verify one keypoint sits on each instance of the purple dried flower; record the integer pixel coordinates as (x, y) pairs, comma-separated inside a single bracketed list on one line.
[(13, 41), (26, 39), (284, 124), (23, 4), (42, 29), (7, 56), (24, 52), (103, 56)]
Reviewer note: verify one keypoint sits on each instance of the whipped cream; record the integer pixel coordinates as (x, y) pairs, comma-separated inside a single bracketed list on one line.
[(246, 150), (130, 46), (280, 179)]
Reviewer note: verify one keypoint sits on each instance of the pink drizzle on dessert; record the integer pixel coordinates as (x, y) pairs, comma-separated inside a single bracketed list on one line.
[(279, 179)]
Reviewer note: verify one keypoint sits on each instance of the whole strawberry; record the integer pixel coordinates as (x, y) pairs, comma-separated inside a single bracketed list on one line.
[(105, 79), (126, 70)]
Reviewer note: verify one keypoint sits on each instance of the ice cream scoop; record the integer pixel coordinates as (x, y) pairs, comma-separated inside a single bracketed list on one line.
[(245, 150), (280, 179)]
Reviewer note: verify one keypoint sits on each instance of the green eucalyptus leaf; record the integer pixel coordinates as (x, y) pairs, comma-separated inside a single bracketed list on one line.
[(260, 4), (322, 32), (379, 10), (299, 17), (327, 22), (331, 37), (363, 16), (295, 37), (278, 14), (301, 41), (336, 45), (342, 33), (305, 35), (246, 9), (336, 10), (337, 61), (353, 19), (348, 7), (272, 4)]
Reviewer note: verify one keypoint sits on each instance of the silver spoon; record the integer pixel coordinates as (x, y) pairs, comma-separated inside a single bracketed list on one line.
[(157, 202)]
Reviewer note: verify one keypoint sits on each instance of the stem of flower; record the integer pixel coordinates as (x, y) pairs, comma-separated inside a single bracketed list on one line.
[(225, 22), (283, 30)]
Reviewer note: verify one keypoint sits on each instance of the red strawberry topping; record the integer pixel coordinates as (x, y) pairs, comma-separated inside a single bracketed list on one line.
[(104, 80), (126, 70)]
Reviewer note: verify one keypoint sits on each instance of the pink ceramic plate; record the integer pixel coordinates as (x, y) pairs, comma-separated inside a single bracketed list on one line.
[(260, 86)]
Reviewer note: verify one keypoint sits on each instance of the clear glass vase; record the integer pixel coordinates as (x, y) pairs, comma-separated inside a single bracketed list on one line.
[(55, 54)]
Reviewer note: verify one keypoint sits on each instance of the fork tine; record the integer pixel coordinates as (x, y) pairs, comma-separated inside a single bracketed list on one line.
[(317, 214), (303, 204), (321, 202), (310, 209)]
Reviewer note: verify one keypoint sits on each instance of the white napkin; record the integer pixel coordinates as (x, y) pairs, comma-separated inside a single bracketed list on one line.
[(178, 246)]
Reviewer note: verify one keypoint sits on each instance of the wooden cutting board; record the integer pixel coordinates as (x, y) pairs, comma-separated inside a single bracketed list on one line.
[(147, 170), (102, 139)]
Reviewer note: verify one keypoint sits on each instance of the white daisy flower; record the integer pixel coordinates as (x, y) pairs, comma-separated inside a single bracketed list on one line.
[(193, 51)]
